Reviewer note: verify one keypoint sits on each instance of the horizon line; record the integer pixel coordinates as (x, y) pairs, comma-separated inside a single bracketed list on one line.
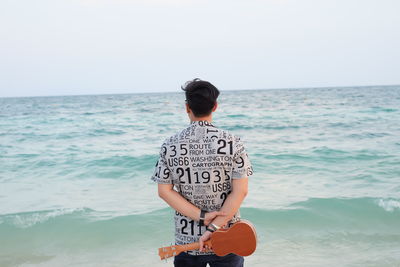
[(227, 90)]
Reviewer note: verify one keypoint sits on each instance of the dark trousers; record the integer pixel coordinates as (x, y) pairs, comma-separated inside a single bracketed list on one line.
[(186, 260)]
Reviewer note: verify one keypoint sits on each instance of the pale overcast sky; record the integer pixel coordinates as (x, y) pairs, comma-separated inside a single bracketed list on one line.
[(64, 47)]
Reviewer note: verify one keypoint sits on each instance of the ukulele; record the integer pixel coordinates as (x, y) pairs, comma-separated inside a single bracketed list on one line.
[(240, 239)]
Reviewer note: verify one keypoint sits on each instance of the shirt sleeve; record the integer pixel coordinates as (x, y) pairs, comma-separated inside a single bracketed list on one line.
[(162, 175), (241, 164)]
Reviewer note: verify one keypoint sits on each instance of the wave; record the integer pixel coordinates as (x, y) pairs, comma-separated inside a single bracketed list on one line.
[(379, 109), (389, 205), (372, 214), (122, 161), (82, 229), (29, 219), (326, 154), (261, 127), (236, 116), (103, 131), (314, 211)]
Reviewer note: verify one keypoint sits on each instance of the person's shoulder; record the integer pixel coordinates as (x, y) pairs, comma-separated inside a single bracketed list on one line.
[(227, 134), (177, 137)]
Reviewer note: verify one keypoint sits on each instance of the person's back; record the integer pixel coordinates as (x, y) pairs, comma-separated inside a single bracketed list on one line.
[(197, 171)]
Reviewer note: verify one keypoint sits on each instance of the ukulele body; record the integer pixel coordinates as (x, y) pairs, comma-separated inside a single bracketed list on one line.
[(240, 239)]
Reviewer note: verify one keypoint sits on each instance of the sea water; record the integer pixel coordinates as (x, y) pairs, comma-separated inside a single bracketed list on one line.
[(75, 171)]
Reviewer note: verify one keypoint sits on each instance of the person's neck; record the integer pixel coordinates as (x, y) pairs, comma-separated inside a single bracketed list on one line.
[(205, 118)]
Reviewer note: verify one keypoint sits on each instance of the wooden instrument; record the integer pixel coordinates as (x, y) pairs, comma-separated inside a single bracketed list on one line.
[(240, 239)]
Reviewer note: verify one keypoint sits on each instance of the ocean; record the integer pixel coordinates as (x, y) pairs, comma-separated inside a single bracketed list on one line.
[(75, 186)]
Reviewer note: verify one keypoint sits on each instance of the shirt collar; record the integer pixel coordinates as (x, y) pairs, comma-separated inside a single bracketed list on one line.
[(202, 123)]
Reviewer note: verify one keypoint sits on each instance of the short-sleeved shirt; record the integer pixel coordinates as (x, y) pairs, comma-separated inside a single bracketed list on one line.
[(201, 161)]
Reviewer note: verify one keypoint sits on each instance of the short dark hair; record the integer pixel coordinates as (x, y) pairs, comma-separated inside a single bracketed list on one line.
[(201, 96)]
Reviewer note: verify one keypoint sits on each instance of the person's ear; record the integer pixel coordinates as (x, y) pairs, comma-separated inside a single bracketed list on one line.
[(215, 107), (187, 108)]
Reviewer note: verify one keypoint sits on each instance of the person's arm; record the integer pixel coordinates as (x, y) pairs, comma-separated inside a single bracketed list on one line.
[(230, 207), (180, 204)]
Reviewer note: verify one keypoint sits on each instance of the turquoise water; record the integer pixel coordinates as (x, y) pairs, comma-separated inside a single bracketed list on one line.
[(75, 187)]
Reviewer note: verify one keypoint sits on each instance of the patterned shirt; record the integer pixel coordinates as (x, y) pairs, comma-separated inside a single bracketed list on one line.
[(201, 162)]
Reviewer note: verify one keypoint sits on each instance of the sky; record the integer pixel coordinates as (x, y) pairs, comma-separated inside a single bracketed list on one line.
[(72, 47)]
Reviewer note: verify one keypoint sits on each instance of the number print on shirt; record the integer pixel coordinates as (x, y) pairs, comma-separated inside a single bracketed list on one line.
[(173, 150), (189, 225), (218, 175), (240, 162), (227, 175), (224, 196), (181, 173), (222, 142), (183, 148), (166, 174), (203, 177)]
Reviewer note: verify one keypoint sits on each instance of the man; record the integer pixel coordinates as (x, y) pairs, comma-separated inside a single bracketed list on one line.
[(202, 173)]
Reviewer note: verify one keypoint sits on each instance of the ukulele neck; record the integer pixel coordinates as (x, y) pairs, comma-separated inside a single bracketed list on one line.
[(191, 246), (175, 250)]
